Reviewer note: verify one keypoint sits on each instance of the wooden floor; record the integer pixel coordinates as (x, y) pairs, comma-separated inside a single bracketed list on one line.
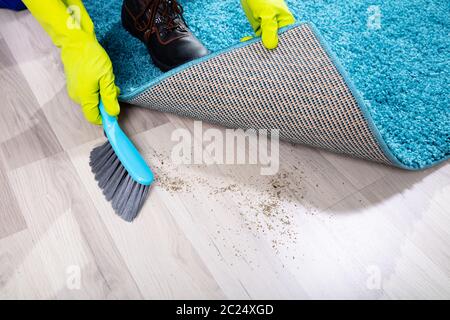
[(325, 226)]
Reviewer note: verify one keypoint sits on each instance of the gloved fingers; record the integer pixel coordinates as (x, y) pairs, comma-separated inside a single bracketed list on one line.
[(88, 98), (266, 17), (269, 29), (109, 93), (91, 111)]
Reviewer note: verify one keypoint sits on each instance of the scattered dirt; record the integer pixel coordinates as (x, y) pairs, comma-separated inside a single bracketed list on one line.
[(268, 206), (164, 174)]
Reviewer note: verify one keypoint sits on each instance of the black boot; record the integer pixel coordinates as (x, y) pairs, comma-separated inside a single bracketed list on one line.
[(160, 25)]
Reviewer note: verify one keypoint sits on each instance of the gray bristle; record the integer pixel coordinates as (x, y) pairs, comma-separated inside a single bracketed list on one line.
[(119, 199), (143, 193), (108, 173), (126, 195), (118, 176), (120, 189), (133, 198), (100, 155), (123, 205)]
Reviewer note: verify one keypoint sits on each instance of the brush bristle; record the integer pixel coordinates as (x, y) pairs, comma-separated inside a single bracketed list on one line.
[(126, 195)]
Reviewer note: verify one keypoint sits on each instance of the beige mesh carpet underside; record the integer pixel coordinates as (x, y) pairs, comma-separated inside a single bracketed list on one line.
[(295, 88)]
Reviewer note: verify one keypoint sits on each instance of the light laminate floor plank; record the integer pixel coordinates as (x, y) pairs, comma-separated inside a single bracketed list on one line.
[(11, 218), (67, 235), (37, 142), (18, 103), (36, 56)]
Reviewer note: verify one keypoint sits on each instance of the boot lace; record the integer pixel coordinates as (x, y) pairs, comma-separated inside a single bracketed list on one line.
[(170, 11)]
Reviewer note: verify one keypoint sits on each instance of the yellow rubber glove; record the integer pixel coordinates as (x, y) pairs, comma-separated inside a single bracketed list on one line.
[(266, 17), (88, 69)]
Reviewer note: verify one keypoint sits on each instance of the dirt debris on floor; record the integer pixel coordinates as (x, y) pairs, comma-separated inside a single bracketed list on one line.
[(267, 205)]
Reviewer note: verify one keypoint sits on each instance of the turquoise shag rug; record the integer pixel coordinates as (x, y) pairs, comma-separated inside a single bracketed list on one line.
[(397, 54)]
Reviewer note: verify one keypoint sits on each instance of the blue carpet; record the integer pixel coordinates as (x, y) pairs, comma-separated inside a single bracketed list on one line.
[(402, 68)]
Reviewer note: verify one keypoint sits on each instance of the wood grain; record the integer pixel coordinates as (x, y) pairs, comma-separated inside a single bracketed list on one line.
[(136, 120), (18, 104), (37, 57), (359, 172), (11, 219), (68, 123), (65, 228), (37, 142), (6, 58)]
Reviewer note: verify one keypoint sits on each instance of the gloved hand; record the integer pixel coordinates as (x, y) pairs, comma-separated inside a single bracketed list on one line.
[(266, 17), (88, 69)]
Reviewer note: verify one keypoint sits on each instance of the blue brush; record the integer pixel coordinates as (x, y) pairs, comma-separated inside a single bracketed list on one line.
[(120, 170)]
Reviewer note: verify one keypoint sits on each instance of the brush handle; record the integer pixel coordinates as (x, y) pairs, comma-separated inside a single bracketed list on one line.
[(127, 153)]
